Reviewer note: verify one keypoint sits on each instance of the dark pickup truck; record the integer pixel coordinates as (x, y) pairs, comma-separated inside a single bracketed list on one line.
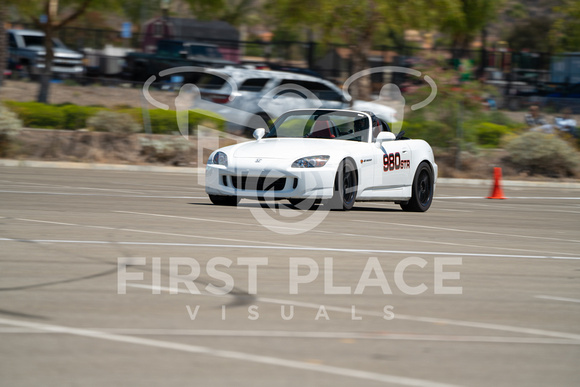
[(172, 53)]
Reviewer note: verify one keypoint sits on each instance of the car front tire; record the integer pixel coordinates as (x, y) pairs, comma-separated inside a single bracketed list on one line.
[(422, 190), (221, 200), (345, 186)]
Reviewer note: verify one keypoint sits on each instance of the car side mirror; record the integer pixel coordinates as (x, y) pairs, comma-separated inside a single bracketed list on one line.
[(259, 133), (385, 136)]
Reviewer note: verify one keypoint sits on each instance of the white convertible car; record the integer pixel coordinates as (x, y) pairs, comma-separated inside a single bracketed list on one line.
[(335, 157)]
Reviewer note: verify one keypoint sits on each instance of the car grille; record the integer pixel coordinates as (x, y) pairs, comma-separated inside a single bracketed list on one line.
[(261, 183)]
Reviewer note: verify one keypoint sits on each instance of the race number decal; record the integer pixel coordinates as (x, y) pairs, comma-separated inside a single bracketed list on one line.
[(393, 162)]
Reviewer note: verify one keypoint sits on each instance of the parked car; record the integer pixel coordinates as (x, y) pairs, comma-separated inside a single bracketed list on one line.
[(566, 91), (331, 156), (26, 51)]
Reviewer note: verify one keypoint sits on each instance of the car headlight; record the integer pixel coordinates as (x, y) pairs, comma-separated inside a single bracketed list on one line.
[(220, 158), (311, 162)]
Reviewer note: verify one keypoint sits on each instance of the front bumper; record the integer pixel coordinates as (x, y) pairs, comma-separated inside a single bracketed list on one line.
[(274, 183)]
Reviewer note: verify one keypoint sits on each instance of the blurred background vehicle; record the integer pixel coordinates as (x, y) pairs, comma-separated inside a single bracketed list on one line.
[(256, 97), (27, 53), (172, 53), (252, 99)]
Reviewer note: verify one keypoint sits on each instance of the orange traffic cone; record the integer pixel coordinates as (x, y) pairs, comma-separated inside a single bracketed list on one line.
[(497, 191)]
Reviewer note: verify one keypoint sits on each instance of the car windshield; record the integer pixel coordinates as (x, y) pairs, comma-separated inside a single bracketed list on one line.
[(205, 51), (38, 40), (339, 125)]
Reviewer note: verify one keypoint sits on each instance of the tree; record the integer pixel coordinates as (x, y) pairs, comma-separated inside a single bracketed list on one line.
[(54, 17), (357, 23), (235, 12), (530, 35), (565, 33), (464, 26), (139, 11)]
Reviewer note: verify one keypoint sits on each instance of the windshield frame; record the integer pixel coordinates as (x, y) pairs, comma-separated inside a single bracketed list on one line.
[(316, 114)]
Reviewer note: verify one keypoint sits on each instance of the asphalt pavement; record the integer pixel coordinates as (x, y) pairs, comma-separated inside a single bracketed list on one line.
[(133, 278)]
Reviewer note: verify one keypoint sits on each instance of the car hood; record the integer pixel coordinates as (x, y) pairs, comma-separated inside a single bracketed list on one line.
[(60, 52), (287, 148)]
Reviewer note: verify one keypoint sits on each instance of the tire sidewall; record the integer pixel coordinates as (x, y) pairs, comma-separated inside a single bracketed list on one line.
[(338, 200), (416, 189)]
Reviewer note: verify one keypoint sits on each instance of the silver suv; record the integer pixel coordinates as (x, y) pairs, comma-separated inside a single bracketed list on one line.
[(250, 99)]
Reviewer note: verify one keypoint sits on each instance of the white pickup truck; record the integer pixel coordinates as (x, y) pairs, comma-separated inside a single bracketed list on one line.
[(26, 52)]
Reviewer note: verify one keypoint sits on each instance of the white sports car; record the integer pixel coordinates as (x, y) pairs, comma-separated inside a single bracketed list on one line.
[(331, 156)]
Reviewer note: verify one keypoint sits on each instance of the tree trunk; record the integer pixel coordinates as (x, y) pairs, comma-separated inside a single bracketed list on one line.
[(3, 43), (46, 72), (362, 86), (52, 25), (361, 43)]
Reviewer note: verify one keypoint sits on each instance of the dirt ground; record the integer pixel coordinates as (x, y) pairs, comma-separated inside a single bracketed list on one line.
[(108, 96)]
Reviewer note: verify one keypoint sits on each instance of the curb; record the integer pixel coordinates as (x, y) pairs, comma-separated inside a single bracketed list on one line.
[(189, 170), (97, 167)]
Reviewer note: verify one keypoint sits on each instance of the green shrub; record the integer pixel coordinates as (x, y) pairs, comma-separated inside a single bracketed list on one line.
[(435, 133), (113, 122), (500, 118), (10, 126), (489, 135), (206, 118), (163, 121), (69, 116), (543, 154), (76, 117), (61, 116), (38, 115), (166, 121)]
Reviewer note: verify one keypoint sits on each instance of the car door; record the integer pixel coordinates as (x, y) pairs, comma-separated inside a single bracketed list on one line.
[(394, 167)]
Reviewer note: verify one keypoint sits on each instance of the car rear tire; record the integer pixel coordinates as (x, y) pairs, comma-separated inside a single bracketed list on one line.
[(345, 186), (222, 200), (422, 190)]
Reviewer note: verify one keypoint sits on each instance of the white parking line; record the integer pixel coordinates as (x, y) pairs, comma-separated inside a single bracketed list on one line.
[(468, 231), (558, 298), (381, 237), (430, 320), (513, 197), (187, 218), (290, 248), (314, 335), (103, 195), (450, 209), (148, 232), (358, 236), (458, 197), (230, 355), (14, 183)]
